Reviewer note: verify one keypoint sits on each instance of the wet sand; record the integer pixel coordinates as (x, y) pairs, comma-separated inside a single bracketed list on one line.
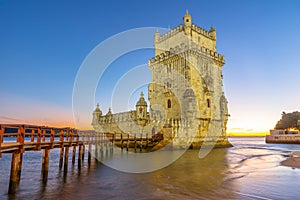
[(293, 160)]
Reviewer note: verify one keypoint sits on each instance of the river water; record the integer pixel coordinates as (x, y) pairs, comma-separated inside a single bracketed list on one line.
[(249, 170)]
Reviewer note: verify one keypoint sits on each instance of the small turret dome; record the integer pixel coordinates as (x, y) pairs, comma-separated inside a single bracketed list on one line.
[(212, 32), (97, 110), (187, 19), (141, 101), (109, 112)]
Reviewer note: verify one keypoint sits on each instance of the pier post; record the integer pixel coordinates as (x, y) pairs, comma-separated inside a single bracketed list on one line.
[(83, 151), (147, 141), (45, 164), (32, 135), (15, 171), (141, 143), (80, 154), (89, 154), (73, 155), (38, 145), (67, 152), (127, 146), (101, 150), (21, 138), (96, 151), (61, 139), (135, 144), (1, 138), (66, 159), (121, 141), (52, 138), (44, 135)]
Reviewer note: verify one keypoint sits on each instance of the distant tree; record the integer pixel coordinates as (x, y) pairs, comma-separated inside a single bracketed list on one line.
[(289, 120)]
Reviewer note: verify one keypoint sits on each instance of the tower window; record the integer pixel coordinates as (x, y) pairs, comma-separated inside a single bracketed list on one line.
[(208, 103), (169, 85), (169, 103), (187, 20)]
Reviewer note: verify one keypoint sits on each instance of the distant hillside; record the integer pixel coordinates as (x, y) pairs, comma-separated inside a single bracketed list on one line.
[(289, 120)]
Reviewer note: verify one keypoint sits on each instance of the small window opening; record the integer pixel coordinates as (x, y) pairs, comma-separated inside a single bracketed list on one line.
[(169, 103), (208, 103)]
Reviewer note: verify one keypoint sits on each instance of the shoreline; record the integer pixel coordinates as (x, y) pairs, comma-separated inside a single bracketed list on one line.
[(293, 161)]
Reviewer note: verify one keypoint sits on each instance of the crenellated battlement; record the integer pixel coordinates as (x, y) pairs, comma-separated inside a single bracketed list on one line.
[(180, 28), (202, 31), (170, 33), (178, 50)]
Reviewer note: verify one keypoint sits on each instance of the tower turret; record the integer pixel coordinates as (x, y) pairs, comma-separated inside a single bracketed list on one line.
[(96, 115), (187, 22), (213, 33), (141, 108), (156, 40)]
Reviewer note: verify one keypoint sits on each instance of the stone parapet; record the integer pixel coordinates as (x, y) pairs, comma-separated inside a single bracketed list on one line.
[(180, 28), (181, 50)]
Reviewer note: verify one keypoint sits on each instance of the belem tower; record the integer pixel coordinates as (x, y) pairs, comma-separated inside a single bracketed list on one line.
[(187, 102)]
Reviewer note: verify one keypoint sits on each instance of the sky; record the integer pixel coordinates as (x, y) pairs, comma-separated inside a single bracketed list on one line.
[(44, 43)]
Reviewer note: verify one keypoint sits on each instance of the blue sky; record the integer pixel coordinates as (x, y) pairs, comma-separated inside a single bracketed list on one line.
[(43, 43)]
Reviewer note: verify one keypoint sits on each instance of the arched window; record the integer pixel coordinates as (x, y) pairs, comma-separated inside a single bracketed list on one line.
[(208, 103), (169, 103)]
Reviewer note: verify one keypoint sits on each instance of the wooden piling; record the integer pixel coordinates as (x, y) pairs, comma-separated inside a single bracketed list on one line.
[(61, 139), (73, 155), (32, 135), (1, 139), (15, 171), (21, 138), (44, 136), (121, 141), (38, 145), (89, 154), (45, 164), (80, 152), (96, 151), (127, 146), (135, 143), (83, 151), (141, 142), (61, 157), (66, 159), (51, 138), (101, 150)]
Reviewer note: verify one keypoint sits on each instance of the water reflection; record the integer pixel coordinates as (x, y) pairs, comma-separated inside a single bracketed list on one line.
[(249, 170)]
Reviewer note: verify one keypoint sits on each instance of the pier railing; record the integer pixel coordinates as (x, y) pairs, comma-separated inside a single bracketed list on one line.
[(20, 138)]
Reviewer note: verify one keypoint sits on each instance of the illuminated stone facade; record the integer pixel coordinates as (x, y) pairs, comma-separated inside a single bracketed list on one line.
[(187, 103)]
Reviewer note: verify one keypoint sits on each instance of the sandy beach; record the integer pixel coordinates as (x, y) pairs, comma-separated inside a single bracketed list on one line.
[(293, 160)]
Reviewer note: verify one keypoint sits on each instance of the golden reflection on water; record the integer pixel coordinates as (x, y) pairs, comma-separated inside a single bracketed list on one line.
[(249, 170)]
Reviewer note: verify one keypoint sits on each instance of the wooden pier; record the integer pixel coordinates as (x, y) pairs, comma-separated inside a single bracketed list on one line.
[(44, 138)]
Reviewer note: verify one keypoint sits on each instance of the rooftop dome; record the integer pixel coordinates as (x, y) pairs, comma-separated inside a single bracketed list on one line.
[(97, 110), (109, 112), (141, 101)]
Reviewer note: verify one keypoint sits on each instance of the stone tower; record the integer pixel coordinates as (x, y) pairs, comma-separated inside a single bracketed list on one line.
[(187, 102), (96, 116), (187, 82), (141, 110)]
